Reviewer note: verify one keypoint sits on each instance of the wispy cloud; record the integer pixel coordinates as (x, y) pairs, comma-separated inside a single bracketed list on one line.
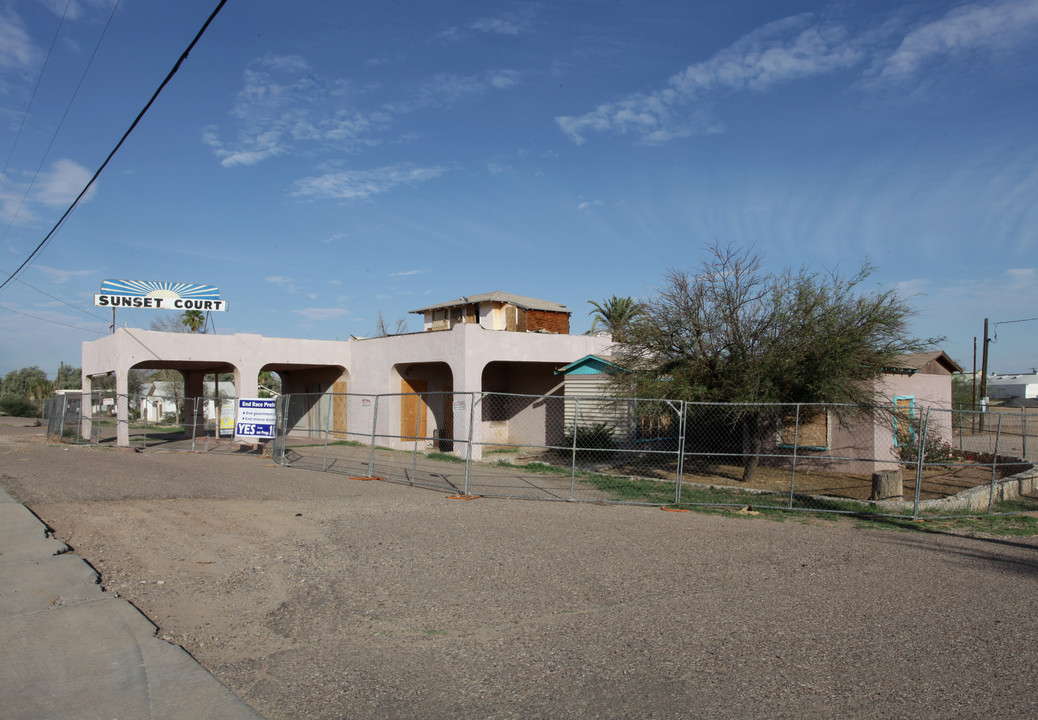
[(510, 24), (60, 277), (320, 314), (16, 48), (504, 25), (285, 283), (62, 183), (447, 89), (285, 108), (283, 104), (801, 47), (976, 26), (362, 184), (588, 204), (408, 273), (780, 52)]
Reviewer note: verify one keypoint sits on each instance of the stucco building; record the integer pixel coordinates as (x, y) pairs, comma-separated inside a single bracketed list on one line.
[(495, 342)]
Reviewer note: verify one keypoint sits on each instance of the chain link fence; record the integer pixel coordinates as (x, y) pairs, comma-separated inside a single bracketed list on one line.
[(845, 459), (900, 461), (179, 423)]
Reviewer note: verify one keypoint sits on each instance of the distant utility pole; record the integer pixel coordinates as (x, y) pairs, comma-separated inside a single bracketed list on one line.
[(984, 372)]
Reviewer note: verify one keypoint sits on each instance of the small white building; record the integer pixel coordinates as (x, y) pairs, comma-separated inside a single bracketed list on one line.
[(1009, 386)]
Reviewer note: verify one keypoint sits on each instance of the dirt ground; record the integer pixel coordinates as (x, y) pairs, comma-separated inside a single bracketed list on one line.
[(315, 596)]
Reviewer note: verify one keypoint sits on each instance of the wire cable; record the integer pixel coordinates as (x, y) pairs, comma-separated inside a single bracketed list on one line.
[(57, 130), (63, 302), (52, 322), (118, 145), (32, 97)]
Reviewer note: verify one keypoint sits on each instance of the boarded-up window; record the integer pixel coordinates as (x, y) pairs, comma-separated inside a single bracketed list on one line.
[(810, 433), (904, 421)]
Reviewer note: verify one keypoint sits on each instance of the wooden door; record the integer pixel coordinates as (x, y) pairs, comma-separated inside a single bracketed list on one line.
[(413, 408), (339, 409)]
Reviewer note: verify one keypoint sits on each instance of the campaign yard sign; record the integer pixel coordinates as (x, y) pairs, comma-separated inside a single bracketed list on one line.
[(256, 417)]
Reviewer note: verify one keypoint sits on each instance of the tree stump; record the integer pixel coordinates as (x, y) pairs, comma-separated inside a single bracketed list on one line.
[(887, 485)]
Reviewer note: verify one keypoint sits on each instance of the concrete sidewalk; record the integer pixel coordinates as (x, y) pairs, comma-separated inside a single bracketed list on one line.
[(70, 650)]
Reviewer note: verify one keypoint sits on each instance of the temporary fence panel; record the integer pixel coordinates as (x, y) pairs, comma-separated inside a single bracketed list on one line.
[(898, 460)]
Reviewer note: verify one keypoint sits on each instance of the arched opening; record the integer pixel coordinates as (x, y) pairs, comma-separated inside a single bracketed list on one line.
[(522, 405)]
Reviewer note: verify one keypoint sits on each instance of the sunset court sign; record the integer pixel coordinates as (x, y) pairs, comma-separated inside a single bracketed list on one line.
[(153, 295)]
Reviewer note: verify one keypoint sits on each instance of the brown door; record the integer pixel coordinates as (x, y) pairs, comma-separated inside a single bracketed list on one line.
[(339, 409), (413, 408)]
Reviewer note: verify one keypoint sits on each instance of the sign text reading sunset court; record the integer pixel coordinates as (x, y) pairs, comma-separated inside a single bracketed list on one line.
[(159, 303)]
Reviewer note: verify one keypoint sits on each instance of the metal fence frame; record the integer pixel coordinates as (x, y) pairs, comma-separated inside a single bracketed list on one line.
[(644, 451), (64, 417), (376, 438)]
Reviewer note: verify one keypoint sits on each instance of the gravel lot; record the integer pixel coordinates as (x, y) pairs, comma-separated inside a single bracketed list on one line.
[(316, 596)]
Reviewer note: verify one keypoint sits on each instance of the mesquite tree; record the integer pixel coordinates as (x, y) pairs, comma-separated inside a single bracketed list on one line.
[(730, 332)]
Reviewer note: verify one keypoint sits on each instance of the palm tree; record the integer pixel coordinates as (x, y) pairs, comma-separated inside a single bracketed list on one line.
[(615, 314), (193, 320)]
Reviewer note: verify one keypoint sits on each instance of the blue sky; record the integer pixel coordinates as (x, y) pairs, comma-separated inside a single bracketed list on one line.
[(320, 162)]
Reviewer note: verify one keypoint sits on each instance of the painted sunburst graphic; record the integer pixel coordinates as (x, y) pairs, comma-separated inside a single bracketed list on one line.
[(154, 289)]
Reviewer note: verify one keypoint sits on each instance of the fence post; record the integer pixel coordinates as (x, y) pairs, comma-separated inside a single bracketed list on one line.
[(374, 430), (64, 409), (327, 419), (417, 428), (1023, 430), (994, 463), (679, 476), (924, 423), (796, 443), (472, 425), (573, 451)]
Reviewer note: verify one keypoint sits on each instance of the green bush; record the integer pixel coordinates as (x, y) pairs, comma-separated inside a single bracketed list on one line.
[(17, 406), (595, 437), (935, 450)]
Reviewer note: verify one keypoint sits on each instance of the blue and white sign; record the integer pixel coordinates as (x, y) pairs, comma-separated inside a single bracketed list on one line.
[(256, 418), (159, 296)]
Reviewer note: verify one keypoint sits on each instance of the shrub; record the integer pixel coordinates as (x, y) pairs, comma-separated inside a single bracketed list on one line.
[(17, 406), (936, 450), (596, 437)]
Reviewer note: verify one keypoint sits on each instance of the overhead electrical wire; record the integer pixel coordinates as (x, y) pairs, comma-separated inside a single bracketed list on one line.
[(118, 145), (52, 322), (32, 96), (57, 129), (63, 302)]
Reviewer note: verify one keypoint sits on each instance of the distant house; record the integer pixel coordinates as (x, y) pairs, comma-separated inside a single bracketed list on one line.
[(590, 403), (912, 384), (160, 398), (498, 311)]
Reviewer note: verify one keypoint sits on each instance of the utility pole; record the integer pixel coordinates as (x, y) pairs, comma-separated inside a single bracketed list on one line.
[(984, 372), (973, 415)]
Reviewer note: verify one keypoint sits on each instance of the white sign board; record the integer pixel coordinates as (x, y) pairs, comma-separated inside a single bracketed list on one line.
[(255, 419), (159, 296)]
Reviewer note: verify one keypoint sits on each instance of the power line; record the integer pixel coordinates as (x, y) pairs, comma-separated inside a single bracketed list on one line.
[(1009, 322), (32, 97), (52, 322), (57, 129), (64, 302), (118, 145)]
